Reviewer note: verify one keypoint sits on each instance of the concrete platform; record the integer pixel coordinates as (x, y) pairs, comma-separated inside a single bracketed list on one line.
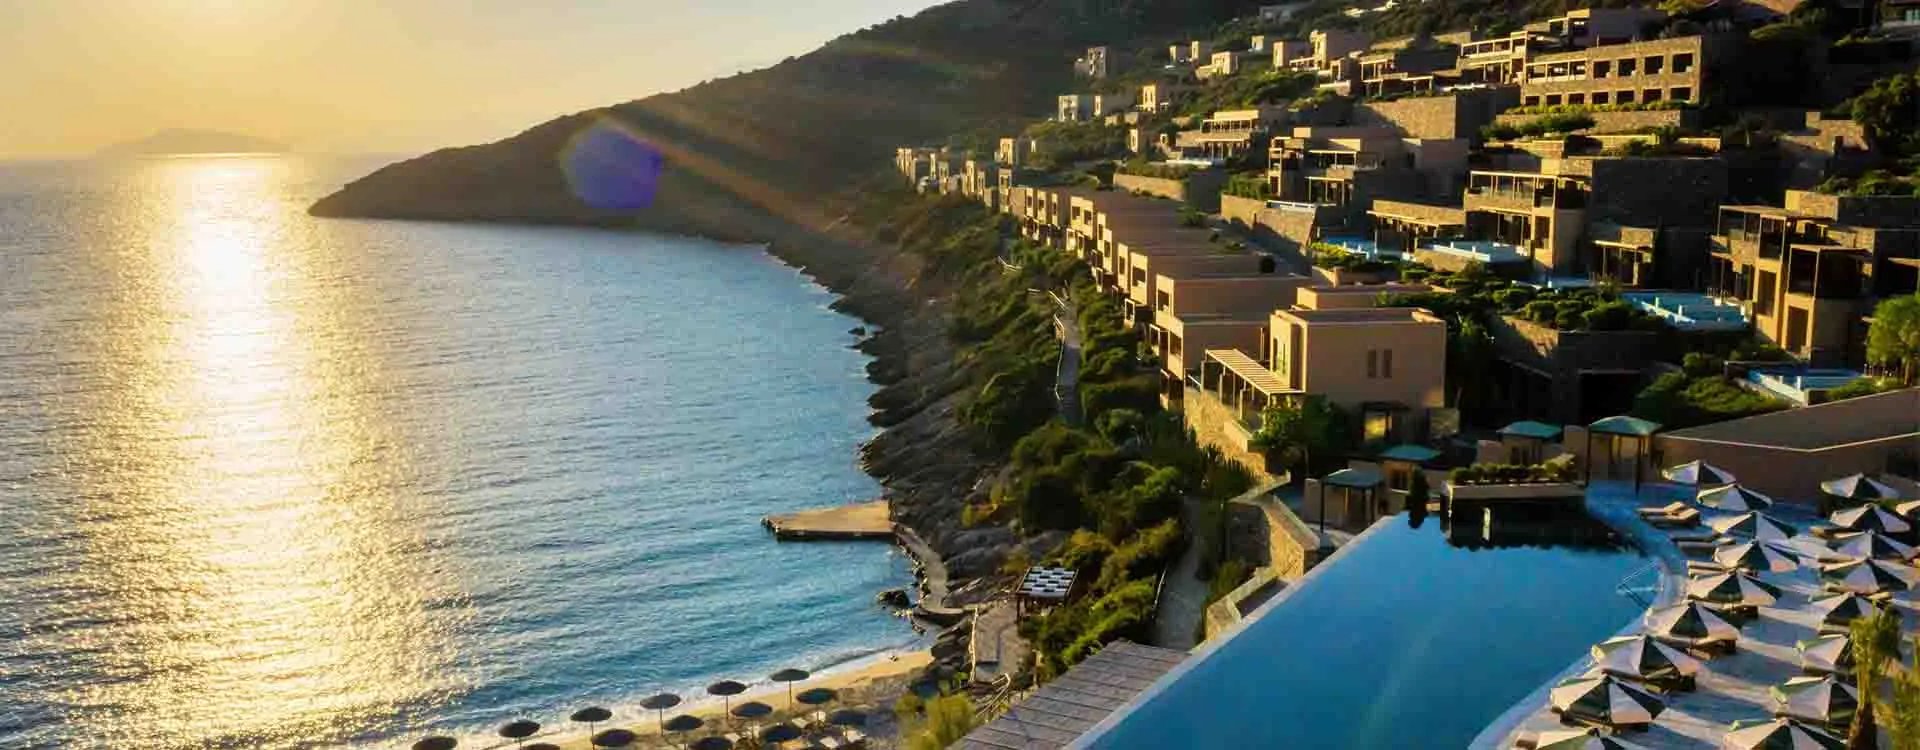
[(870, 520)]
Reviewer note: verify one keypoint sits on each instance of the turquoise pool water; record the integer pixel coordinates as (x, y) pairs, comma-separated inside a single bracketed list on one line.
[(1407, 638)]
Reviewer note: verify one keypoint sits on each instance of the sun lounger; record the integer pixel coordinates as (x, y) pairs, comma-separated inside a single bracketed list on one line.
[(831, 742), (1685, 518), (1664, 510), (1702, 567), (856, 739), (1706, 648)]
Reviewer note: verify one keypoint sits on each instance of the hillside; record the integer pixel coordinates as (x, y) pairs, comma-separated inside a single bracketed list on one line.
[(183, 141), (778, 138)]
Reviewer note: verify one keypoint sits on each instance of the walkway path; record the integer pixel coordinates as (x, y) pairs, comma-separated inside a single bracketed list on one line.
[(1066, 387), (1183, 597)]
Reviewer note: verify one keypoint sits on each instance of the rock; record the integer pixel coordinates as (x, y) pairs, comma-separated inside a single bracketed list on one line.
[(858, 330), (893, 599)]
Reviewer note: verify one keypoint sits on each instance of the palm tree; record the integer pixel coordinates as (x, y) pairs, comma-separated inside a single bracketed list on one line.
[(1876, 640)]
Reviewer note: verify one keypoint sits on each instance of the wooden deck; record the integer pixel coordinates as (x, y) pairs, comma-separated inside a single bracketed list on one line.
[(869, 520)]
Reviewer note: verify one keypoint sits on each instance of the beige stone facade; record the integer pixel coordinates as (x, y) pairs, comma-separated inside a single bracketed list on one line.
[(1661, 70), (1387, 364)]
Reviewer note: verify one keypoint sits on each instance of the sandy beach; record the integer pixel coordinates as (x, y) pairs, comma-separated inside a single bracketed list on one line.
[(873, 683)]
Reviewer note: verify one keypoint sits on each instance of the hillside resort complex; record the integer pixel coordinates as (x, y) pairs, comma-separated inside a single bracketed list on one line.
[(1609, 336)]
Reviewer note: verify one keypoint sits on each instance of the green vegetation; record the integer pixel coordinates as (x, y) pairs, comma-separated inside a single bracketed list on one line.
[(1893, 340), (1298, 430), (1141, 167), (1545, 473), (1251, 88), (1558, 123), (1580, 109), (1890, 113), (1875, 643), (1902, 713), (935, 723), (1333, 257), (1865, 386), (1418, 495), (1699, 394), (1061, 144), (1248, 185)]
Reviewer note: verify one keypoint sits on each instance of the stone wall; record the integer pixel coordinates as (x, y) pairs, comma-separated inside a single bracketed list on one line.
[(1563, 355), (1652, 191), (1241, 212), (1264, 531), (1458, 115), (1622, 122), (1222, 615), (1214, 425)]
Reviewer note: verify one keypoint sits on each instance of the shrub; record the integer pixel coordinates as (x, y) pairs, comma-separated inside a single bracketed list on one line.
[(1138, 392), (1700, 365), (1500, 132), (1513, 299), (1510, 474), (1142, 556), (937, 723), (1609, 316)]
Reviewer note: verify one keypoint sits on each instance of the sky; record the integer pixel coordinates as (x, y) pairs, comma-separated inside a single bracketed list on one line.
[(365, 76)]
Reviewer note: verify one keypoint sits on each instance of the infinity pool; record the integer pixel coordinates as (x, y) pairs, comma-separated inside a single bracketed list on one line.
[(1406, 638)]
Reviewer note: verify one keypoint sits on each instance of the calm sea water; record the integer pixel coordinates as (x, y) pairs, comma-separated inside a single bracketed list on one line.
[(268, 480)]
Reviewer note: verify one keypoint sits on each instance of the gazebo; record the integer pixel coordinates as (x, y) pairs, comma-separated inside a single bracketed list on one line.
[(1400, 461), (1044, 586), (1366, 481), (1621, 427), (1527, 440)]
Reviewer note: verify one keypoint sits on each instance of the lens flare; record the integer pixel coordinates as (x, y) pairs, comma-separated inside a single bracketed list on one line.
[(609, 167)]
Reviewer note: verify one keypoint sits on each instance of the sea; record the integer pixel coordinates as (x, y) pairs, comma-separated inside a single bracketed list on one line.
[(274, 481)]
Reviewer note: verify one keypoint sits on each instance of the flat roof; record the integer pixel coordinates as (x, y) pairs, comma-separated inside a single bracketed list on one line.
[(1765, 210), (1352, 315), (1369, 289)]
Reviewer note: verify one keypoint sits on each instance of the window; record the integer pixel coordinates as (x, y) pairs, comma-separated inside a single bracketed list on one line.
[(1599, 97), (1601, 68), (1386, 363), (1553, 99), (1655, 64), (1173, 345), (1576, 98), (1373, 363), (1680, 94), (1624, 97), (1763, 294), (1650, 95), (1532, 101), (1626, 67), (1683, 62)]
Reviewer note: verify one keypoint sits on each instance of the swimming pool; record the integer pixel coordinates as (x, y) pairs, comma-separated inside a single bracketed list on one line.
[(1689, 311), (1799, 383), (1403, 639)]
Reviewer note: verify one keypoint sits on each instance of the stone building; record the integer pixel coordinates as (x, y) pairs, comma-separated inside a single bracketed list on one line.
[(1675, 70), (1096, 63), (1074, 108), (1350, 167), (1810, 271)]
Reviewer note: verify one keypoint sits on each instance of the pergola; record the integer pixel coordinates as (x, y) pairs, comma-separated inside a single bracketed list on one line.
[(1366, 481), (1241, 382), (1617, 427)]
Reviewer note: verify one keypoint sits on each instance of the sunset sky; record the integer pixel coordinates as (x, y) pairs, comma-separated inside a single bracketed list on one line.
[(372, 76)]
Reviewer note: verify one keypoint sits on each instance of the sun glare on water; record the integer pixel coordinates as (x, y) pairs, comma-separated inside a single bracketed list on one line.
[(262, 567)]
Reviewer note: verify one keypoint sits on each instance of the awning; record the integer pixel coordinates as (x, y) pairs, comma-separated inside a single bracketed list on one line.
[(1532, 429), (1418, 454), (1358, 479), (1625, 425), (1252, 373)]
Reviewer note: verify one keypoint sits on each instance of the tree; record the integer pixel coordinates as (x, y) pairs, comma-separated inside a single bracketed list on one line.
[(1902, 719), (1894, 338), (1302, 427), (1887, 109), (1417, 496), (1876, 640), (945, 719)]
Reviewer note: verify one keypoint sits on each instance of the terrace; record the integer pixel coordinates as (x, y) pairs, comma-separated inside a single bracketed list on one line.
[(1690, 311), (1479, 251)]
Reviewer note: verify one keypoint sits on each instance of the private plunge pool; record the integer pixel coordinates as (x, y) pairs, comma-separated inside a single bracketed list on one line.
[(1405, 638)]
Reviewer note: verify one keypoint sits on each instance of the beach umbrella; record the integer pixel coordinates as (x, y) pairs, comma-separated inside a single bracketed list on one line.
[(817, 696), (848, 717), (1734, 589), (779, 733), (751, 710), (1870, 518), (614, 738), (790, 676), (436, 743), (1605, 699), (682, 724), (1858, 487), (1826, 653), (1820, 699), (1868, 576), (519, 730), (1771, 557), (1840, 609), (1690, 620), (715, 742), (1698, 474), (1755, 525), (1582, 739), (1734, 497), (1873, 545), (1907, 509), (1642, 657), (726, 689), (590, 716), (659, 704), (1782, 734)]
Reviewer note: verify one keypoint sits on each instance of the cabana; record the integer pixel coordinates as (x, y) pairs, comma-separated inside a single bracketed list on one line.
[(1616, 428), (1527, 440), (1349, 481)]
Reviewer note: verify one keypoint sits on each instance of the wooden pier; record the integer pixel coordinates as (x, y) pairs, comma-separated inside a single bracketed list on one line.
[(869, 520)]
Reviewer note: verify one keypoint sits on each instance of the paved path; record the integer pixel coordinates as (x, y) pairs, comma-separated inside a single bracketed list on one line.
[(1066, 387), (996, 646), (1183, 599)]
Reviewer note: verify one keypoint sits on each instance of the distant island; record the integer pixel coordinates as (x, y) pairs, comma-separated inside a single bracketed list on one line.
[(176, 141)]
